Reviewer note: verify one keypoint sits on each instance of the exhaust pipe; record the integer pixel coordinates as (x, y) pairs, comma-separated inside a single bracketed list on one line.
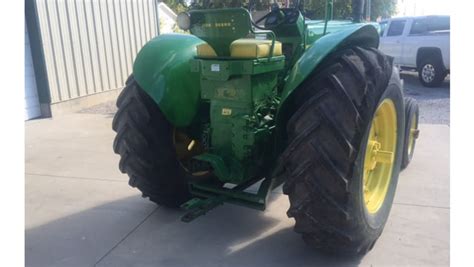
[(357, 10)]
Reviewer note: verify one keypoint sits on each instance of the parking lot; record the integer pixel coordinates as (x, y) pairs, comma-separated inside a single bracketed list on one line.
[(434, 102), (80, 210)]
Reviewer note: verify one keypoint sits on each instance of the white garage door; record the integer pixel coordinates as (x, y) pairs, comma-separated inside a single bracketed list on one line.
[(32, 106)]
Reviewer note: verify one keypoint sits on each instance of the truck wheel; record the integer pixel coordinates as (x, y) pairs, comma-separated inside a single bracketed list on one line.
[(144, 142), (431, 72), (344, 153), (412, 115)]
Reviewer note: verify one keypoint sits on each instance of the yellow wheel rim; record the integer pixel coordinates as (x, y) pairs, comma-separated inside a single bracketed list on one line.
[(411, 137), (186, 148), (380, 155)]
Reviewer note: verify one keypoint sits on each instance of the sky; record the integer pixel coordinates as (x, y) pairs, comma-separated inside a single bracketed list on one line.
[(423, 7)]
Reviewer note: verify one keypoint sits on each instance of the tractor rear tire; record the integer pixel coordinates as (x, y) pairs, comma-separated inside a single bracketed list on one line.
[(327, 140), (412, 114), (144, 142)]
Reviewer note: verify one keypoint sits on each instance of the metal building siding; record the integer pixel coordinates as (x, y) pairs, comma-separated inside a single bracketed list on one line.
[(32, 105), (89, 45)]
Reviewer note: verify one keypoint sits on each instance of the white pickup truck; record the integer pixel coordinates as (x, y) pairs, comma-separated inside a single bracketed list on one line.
[(418, 43)]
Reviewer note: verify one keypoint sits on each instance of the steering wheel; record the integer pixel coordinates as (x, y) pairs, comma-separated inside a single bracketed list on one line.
[(272, 20)]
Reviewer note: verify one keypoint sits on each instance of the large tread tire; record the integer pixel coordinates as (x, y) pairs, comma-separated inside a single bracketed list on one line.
[(144, 142), (327, 138), (412, 115)]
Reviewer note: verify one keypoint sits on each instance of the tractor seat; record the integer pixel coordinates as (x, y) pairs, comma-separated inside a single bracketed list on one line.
[(243, 48)]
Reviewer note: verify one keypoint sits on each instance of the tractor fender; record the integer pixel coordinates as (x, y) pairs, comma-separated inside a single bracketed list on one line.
[(359, 35), (162, 69), (365, 35)]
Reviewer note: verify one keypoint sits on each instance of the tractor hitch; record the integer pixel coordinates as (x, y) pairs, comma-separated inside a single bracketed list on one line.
[(198, 207), (210, 196)]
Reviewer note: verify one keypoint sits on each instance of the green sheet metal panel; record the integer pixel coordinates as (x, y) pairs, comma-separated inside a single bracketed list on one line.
[(162, 68)]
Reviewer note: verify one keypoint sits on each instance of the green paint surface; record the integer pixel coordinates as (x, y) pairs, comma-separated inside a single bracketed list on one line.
[(339, 34), (162, 69), (243, 105)]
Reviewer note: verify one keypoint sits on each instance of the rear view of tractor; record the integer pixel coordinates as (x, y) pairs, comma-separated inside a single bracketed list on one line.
[(281, 100)]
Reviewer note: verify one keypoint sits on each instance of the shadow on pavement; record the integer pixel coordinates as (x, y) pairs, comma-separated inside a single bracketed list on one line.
[(83, 238), (227, 236), (285, 248)]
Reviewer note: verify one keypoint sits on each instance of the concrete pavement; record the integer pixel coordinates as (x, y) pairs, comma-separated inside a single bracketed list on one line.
[(80, 211)]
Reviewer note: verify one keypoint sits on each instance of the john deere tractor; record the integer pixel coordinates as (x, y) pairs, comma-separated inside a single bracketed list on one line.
[(240, 106)]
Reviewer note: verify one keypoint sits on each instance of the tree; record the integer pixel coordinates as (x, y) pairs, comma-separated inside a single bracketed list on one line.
[(177, 6), (315, 9), (383, 8)]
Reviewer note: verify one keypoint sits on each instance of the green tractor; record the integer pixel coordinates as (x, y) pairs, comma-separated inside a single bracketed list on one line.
[(240, 106)]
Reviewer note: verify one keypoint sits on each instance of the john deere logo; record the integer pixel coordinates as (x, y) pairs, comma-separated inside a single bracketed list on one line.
[(217, 25)]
